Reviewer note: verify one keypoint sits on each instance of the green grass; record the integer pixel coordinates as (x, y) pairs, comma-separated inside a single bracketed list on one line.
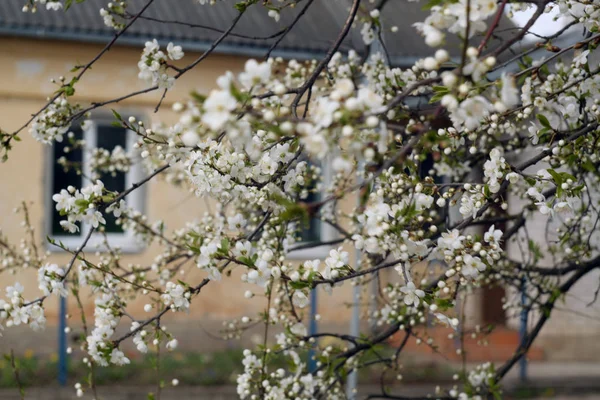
[(529, 393), (190, 368), (206, 369)]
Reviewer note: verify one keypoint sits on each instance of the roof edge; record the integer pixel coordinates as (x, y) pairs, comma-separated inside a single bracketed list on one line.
[(195, 46)]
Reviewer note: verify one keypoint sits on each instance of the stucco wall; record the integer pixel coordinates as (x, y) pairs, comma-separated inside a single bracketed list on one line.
[(573, 329), (27, 67)]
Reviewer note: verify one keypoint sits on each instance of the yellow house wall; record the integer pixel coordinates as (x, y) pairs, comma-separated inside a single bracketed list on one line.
[(26, 69)]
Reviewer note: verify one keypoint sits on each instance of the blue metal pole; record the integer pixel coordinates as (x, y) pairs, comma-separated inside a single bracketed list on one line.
[(523, 330), (352, 382), (312, 329), (62, 342)]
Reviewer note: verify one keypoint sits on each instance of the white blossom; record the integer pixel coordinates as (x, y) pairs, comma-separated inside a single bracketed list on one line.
[(255, 74), (412, 295), (51, 280), (174, 52)]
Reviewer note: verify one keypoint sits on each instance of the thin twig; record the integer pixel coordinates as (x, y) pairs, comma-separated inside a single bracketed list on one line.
[(15, 369)]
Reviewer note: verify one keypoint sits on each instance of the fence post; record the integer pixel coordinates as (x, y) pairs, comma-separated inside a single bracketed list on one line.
[(312, 330), (352, 384), (62, 342), (523, 330)]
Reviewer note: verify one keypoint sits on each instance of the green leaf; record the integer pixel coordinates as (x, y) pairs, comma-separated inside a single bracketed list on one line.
[(243, 5), (293, 211), (530, 181), (195, 249), (245, 260), (544, 121), (200, 98), (432, 3), (69, 91), (558, 180), (81, 202), (535, 249), (556, 176), (486, 191), (440, 89), (117, 115), (240, 96), (225, 245), (444, 304), (298, 285), (566, 176), (589, 166), (436, 97)]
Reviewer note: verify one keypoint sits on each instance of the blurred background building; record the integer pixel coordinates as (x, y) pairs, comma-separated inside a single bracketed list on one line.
[(37, 47)]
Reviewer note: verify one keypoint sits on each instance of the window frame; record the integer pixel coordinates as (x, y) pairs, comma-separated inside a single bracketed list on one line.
[(125, 241), (327, 232)]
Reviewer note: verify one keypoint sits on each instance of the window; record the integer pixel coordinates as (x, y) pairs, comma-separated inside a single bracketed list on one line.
[(312, 233), (316, 231), (99, 134)]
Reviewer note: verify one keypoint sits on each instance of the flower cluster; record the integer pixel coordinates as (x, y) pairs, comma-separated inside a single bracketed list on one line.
[(221, 102), (80, 206), (106, 319), (16, 311), (408, 166), (470, 257), (472, 200), (139, 339), (279, 384), (53, 5), (103, 161), (493, 170), (477, 379), (51, 124), (452, 17), (176, 297), (51, 280), (153, 64), (111, 11), (261, 275), (336, 265), (586, 13), (387, 221)]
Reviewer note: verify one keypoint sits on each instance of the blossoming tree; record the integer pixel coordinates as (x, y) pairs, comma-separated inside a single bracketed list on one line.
[(496, 124)]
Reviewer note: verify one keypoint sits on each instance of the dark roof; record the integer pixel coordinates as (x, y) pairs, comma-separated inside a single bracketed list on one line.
[(311, 37)]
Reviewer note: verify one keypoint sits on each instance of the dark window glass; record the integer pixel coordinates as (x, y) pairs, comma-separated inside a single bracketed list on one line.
[(312, 232), (428, 165), (425, 166), (109, 137), (62, 179)]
